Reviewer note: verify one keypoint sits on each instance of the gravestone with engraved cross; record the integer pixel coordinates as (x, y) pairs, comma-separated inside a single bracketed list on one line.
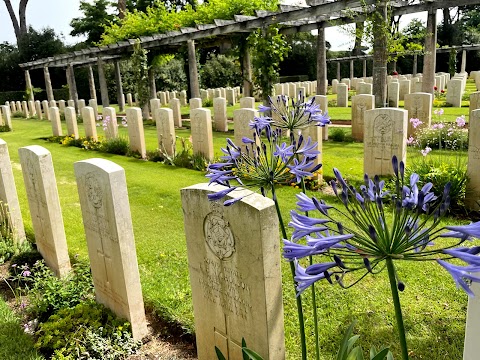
[(44, 204), (107, 221), (385, 135), (360, 104), (419, 106), (234, 273), (202, 137)]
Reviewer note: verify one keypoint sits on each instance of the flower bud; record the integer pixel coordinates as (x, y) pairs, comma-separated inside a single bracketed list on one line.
[(400, 285), (339, 262)]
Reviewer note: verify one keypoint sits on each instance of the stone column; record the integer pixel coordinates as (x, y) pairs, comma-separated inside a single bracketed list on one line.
[(351, 70), (72, 85), (415, 64), (192, 70), (48, 84), (247, 73), (429, 60), (118, 80), (28, 82), (464, 61), (365, 68), (151, 84), (321, 61), (338, 71), (395, 65), (103, 84), (380, 56), (91, 83)]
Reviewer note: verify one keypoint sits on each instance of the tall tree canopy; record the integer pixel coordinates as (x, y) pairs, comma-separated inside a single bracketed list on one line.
[(95, 17)]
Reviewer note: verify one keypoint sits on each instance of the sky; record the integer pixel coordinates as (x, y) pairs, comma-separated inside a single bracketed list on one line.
[(57, 14)]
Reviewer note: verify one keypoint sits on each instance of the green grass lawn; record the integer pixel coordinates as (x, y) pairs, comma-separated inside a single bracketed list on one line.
[(434, 309)]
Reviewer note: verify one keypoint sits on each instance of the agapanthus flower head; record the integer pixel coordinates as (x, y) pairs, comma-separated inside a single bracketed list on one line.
[(292, 115), (358, 247)]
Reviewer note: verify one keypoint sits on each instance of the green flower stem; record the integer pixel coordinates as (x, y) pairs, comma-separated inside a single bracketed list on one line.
[(398, 309), (314, 297), (292, 268)]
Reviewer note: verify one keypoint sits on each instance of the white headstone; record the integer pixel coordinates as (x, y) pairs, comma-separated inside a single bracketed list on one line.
[(220, 114), (474, 103), (44, 204), (247, 103), (360, 104), (54, 115), (26, 113), (89, 123), (393, 89), (202, 137), (342, 95), (71, 120), (165, 130), (8, 193), (419, 106), (231, 97), (45, 109), (7, 118), (129, 99), (385, 135), (405, 88), (236, 284), (135, 131), (107, 221), (110, 119), (177, 114), (241, 120), (195, 103), (38, 110)]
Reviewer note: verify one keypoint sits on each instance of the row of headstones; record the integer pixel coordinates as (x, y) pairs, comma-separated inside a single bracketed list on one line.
[(231, 94), (235, 297), (107, 222), (294, 89), (41, 109)]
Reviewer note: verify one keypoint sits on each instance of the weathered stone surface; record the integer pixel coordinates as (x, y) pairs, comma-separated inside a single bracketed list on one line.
[(165, 130), (61, 105), (81, 105), (235, 274), (129, 99), (107, 221), (71, 103), (94, 105), (135, 131), (155, 104), (334, 86), (6, 116), (31, 108), (342, 95), (241, 119), (247, 103), (231, 97), (364, 88), (393, 89), (220, 114), (405, 88), (177, 113), (26, 113), (419, 106), (360, 104), (110, 120), (89, 123), (183, 97), (473, 186), (322, 101), (385, 135), (202, 137), (162, 101), (474, 103), (8, 194), (204, 95), (71, 120), (455, 92), (44, 204), (195, 103), (472, 328), (54, 115), (38, 110)]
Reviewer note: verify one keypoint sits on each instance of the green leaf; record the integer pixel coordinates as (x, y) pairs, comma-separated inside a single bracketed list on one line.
[(382, 354), (351, 342), (252, 355), (373, 352), (342, 351), (244, 346), (219, 354), (356, 354)]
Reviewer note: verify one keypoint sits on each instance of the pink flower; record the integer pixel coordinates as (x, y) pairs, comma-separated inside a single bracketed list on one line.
[(460, 121), (415, 122), (410, 140), (426, 151), (438, 112)]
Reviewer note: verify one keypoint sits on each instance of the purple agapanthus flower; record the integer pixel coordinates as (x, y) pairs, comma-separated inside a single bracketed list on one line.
[(462, 275)]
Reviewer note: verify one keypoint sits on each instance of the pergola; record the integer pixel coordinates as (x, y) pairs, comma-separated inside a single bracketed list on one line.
[(318, 14), (415, 54)]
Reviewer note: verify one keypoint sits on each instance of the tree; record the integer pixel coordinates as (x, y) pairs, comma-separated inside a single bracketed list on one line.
[(95, 17), (20, 24)]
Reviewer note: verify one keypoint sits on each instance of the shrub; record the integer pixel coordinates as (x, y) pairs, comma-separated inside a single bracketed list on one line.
[(440, 171), (49, 294), (220, 71), (207, 103), (18, 114), (28, 258), (9, 246), (5, 128), (337, 134), (118, 145), (449, 136), (86, 331)]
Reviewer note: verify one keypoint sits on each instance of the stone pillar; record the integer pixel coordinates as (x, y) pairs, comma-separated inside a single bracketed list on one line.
[(380, 56), (338, 71), (429, 60), (28, 82), (415, 64), (365, 68), (351, 70), (48, 84), (192, 70), (464, 61), (103, 84), (118, 80), (72, 85), (395, 65), (91, 83), (321, 61), (247, 72), (151, 84)]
